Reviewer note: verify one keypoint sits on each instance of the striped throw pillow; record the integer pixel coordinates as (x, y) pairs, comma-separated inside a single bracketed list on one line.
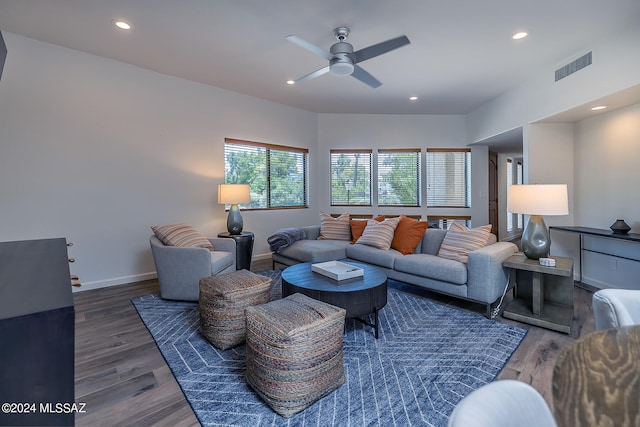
[(379, 234), (334, 228), (460, 240), (181, 235)]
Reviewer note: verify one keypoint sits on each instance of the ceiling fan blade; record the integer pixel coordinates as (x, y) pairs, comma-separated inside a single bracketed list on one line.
[(379, 49), (313, 75), (312, 48), (360, 74)]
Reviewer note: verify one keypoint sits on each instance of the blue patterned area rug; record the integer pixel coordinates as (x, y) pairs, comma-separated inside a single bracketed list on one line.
[(427, 358)]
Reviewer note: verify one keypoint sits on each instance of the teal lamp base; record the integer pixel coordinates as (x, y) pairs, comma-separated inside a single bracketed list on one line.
[(234, 220)]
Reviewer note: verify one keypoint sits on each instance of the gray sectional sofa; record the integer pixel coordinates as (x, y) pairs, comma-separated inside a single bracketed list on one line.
[(482, 280)]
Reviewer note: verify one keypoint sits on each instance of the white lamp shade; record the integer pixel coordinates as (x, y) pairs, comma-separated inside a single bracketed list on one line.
[(233, 194), (538, 199)]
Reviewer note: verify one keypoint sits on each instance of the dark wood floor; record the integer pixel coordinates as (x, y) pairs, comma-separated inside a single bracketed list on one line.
[(124, 380)]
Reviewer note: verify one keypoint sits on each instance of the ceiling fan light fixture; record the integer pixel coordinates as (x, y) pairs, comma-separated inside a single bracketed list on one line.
[(341, 69)]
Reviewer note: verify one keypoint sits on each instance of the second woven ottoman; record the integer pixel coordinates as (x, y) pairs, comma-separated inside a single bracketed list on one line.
[(222, 301), (294, 352)]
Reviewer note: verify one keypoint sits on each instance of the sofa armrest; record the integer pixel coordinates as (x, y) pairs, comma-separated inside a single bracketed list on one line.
[(487, 277)]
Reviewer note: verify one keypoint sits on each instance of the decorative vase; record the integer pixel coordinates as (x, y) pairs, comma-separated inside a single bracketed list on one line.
[(620, 227)]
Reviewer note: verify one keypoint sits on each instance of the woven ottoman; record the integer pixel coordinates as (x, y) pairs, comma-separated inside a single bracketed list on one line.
[(222, 301), (294, 352)]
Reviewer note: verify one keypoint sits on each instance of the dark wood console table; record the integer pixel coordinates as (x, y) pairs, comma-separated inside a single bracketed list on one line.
[(605, 259), (37, 331)]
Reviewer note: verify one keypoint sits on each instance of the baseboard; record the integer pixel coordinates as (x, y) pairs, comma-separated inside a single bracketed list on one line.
[(140, 277), (261, 257), (116, 281)]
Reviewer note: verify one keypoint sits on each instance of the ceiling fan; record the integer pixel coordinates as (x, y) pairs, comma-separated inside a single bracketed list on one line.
[(343, 61)]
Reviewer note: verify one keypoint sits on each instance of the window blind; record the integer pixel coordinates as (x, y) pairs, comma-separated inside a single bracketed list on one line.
[(399, 177), (509, 182), (351, 177), (519, 180), (449, 177)]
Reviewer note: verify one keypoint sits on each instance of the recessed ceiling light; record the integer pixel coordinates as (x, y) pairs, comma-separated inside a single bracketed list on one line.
[(413, 98), (520, 35), (598, 107), (291, 82), (123, 25)]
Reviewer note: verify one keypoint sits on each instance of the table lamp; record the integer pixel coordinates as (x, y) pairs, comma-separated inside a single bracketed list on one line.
[(234, 194), (537, 200)]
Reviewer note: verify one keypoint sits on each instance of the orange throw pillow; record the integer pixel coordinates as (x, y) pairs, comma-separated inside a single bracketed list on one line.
[(408, 235), (358, 225)]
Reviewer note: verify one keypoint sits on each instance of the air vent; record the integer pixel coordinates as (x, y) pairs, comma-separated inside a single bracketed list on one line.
[(574, 66)]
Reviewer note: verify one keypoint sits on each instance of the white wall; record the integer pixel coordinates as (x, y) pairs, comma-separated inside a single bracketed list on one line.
[(548, 151), (607, 173), (400, 131), (97, 151)]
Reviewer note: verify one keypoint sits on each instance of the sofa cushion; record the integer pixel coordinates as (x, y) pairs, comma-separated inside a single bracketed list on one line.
[(334, 228), (432, 240), (433, 267), (316, 250), (408, 235), (358, 226), (373, 256), (379, 234), (457, 244), (181, 235)]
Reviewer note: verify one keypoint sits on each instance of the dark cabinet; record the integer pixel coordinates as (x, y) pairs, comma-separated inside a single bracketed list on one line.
[(37, 331)]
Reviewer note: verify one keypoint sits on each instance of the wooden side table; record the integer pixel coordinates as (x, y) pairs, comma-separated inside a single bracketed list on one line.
[(244, 248), (543, 295)]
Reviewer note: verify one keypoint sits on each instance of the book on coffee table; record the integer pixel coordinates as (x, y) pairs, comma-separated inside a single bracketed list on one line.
[(337, 270)]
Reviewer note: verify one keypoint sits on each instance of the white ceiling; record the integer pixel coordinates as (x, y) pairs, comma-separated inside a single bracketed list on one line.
[(461, 53)]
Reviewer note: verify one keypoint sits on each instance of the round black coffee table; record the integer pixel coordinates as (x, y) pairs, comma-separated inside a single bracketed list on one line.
[(358, 296)]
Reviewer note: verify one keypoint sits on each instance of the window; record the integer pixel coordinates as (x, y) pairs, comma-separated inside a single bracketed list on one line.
[(350, 177), (276, 174), (519, 179), (399, 177), (449, 178), (444, 222), (512, 176), (509, 182)]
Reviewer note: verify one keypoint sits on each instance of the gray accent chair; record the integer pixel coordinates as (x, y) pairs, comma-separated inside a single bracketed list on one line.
[(503, 403), (613, 308), (180, 269)]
